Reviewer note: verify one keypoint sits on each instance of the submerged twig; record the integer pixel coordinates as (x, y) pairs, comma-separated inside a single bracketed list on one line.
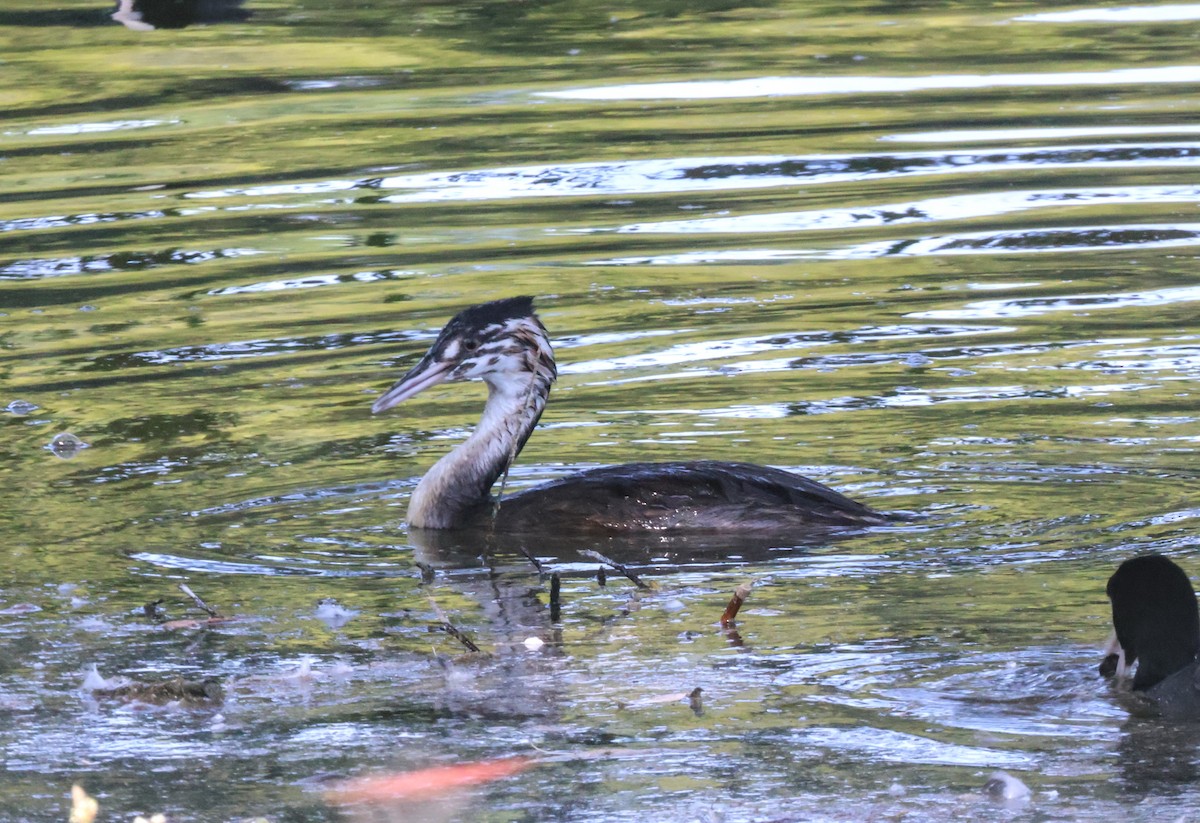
[(735, 604), (620, 567), (196, 598)]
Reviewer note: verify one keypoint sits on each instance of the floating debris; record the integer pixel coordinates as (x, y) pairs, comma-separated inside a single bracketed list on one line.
[(692, 697), (175, 690), (427, 571), (65, 445), (94, 681), (214, 618), (1005, 788), (21, 408), (84, 807), (534, 643), (333, 614), (735, 604)]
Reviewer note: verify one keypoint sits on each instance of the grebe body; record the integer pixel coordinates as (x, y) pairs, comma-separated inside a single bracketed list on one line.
[(504, 344)]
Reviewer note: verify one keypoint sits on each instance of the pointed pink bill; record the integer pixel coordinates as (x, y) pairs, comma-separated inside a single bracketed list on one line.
[(428, 372)]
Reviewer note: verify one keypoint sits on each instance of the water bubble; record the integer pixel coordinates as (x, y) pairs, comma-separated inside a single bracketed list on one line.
[(66, 445), (21, 407)]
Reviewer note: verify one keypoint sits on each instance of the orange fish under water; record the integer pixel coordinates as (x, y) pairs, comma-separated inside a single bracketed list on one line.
[(426, 784)]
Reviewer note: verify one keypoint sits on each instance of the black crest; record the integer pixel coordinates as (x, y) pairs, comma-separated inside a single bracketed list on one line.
[(493, 313)]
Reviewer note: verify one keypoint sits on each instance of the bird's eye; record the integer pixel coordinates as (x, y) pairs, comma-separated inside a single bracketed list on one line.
[(470, 345)]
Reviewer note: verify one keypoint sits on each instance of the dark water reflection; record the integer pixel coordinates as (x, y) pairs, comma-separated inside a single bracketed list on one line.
[(942, 260)]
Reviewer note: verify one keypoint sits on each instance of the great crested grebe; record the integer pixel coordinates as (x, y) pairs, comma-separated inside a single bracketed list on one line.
[(1157, 624), (504, 344)]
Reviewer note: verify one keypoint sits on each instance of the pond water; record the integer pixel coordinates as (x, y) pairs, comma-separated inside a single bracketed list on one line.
[(938, 255)]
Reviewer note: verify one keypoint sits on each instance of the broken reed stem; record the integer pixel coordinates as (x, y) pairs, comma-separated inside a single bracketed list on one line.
[(195, 597), (637, 581), (735, 604), (555, 594)]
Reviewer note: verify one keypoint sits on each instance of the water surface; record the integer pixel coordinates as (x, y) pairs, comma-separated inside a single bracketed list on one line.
[(940, 257)]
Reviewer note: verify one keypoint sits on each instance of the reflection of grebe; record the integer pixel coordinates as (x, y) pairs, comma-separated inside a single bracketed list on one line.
[(504, 344), (1157, 624)]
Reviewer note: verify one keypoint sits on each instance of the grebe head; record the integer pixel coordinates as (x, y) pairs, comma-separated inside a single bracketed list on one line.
[(502, 342)]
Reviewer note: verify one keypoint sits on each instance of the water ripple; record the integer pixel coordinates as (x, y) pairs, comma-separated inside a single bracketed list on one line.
[(1125, 14), (40, 268), (1035, 306), (1048, 133), (806, 86), (313, 281), (1016, 241), (961, 207), (898, 747), (96, 128), (652, 176)]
